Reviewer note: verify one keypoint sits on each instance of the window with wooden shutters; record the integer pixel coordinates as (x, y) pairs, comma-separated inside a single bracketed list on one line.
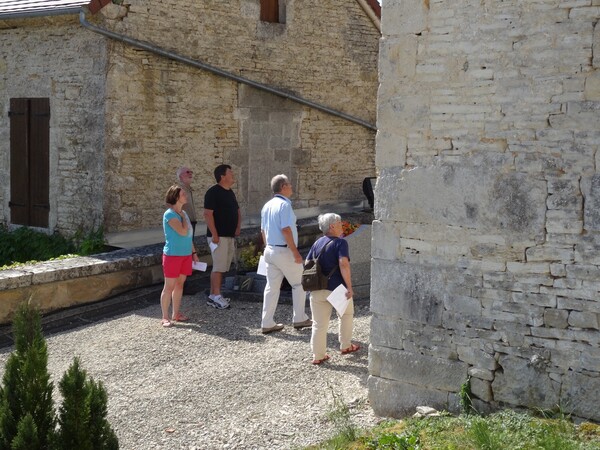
[(272, 11), (29, 161)]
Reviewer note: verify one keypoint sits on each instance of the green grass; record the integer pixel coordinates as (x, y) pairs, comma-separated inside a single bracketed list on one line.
[(506, 430), (25, 245)]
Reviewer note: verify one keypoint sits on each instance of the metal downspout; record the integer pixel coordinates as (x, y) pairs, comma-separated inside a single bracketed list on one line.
[(263, 87), (371, 14)]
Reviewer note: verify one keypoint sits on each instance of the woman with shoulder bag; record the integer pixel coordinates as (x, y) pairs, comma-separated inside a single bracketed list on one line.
[(334, 260)]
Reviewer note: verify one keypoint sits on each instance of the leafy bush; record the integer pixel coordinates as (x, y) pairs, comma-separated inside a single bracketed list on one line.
[(25, 245), (90, 243), (249, 258)]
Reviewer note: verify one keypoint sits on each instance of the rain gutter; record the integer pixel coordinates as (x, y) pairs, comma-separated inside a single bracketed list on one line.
[(200, 65), (42, 13)]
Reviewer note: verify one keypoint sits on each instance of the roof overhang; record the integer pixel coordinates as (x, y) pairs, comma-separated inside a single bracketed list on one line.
[(20, 9)]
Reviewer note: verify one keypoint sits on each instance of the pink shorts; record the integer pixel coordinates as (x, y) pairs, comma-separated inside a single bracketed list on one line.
[(173, 266)]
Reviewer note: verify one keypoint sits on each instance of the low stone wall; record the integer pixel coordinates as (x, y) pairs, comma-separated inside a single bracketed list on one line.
[(55, 285)]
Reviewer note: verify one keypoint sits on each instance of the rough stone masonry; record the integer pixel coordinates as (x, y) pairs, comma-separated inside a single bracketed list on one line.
[(122, 120), (486, 243)]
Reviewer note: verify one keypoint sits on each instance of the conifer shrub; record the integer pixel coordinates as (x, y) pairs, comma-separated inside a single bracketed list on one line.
[(26, 391), (27, 416), (82, 416)]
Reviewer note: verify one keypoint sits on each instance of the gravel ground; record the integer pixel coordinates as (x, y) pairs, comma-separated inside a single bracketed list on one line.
[(216, 382)]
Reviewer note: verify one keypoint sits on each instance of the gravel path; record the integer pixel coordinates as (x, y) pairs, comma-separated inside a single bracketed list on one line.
[(216, 382)]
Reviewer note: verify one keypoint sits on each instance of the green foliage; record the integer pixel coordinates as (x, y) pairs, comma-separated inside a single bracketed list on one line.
[(90, 243), (27, 435), (395, 441), (339, 416), (249, 258), (27, 415), (26, 388), (500, 431), (466, 403), (558, 412), (483, 437), (82, 416), (25, 245)]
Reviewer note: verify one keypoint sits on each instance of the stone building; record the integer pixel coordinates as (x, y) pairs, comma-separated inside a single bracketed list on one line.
[(486, 243), (100, 109)]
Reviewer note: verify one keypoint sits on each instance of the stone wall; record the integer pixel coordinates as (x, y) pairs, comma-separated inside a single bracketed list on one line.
[(162, 114), (57, 59), (123, 120), (486, 244)]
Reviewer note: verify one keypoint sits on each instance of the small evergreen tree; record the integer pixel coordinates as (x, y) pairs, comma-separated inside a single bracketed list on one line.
[(26, 389), (102, 435), (27, 417), (27, 435), (82, 416)]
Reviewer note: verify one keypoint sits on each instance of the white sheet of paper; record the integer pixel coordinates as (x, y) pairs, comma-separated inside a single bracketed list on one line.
[(338, 299), (212, 246), (262, 266), (201, 266)]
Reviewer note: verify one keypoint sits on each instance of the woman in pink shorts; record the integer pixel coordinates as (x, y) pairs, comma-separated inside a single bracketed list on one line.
[(178, 254)]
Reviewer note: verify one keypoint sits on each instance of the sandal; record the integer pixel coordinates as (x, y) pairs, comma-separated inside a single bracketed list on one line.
[(181, 318), (353, 348), (319, 361), (165, 323)]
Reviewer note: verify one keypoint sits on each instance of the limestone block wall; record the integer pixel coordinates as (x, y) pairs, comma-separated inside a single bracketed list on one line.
[(55, 58), (486, 244), (162, 114)]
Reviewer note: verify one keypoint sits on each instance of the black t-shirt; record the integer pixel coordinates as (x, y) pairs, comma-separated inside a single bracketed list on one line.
[(225, 210)]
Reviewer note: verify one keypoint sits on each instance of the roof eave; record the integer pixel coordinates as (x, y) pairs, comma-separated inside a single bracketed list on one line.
[(44, 13)]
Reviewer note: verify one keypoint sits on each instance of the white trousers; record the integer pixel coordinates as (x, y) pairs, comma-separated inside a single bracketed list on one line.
[(321, 313), (280, 263)]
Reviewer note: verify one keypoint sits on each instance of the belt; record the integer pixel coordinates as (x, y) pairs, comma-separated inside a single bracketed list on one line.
[(275, 245)]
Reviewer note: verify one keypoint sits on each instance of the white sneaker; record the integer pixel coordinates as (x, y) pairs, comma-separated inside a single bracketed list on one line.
[(216, 301), (225, 299)]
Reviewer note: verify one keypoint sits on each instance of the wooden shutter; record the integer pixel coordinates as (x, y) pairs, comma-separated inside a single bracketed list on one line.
[(39, 170), (19, 162), (269, 11), (29, 161)]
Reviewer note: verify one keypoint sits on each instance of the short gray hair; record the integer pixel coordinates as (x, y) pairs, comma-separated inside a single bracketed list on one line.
[(326, 220), (277, 183), (180, 171)]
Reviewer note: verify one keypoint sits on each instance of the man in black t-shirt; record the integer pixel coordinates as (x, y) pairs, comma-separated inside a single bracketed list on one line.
[(223, 222)]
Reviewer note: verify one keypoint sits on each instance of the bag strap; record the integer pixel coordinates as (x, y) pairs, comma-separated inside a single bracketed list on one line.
[(323, 249), (321, 252)]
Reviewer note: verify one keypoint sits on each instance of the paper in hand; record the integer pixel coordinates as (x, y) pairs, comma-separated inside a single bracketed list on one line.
[(201, 266), (262, 266), (212, 246), (338, 299)]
